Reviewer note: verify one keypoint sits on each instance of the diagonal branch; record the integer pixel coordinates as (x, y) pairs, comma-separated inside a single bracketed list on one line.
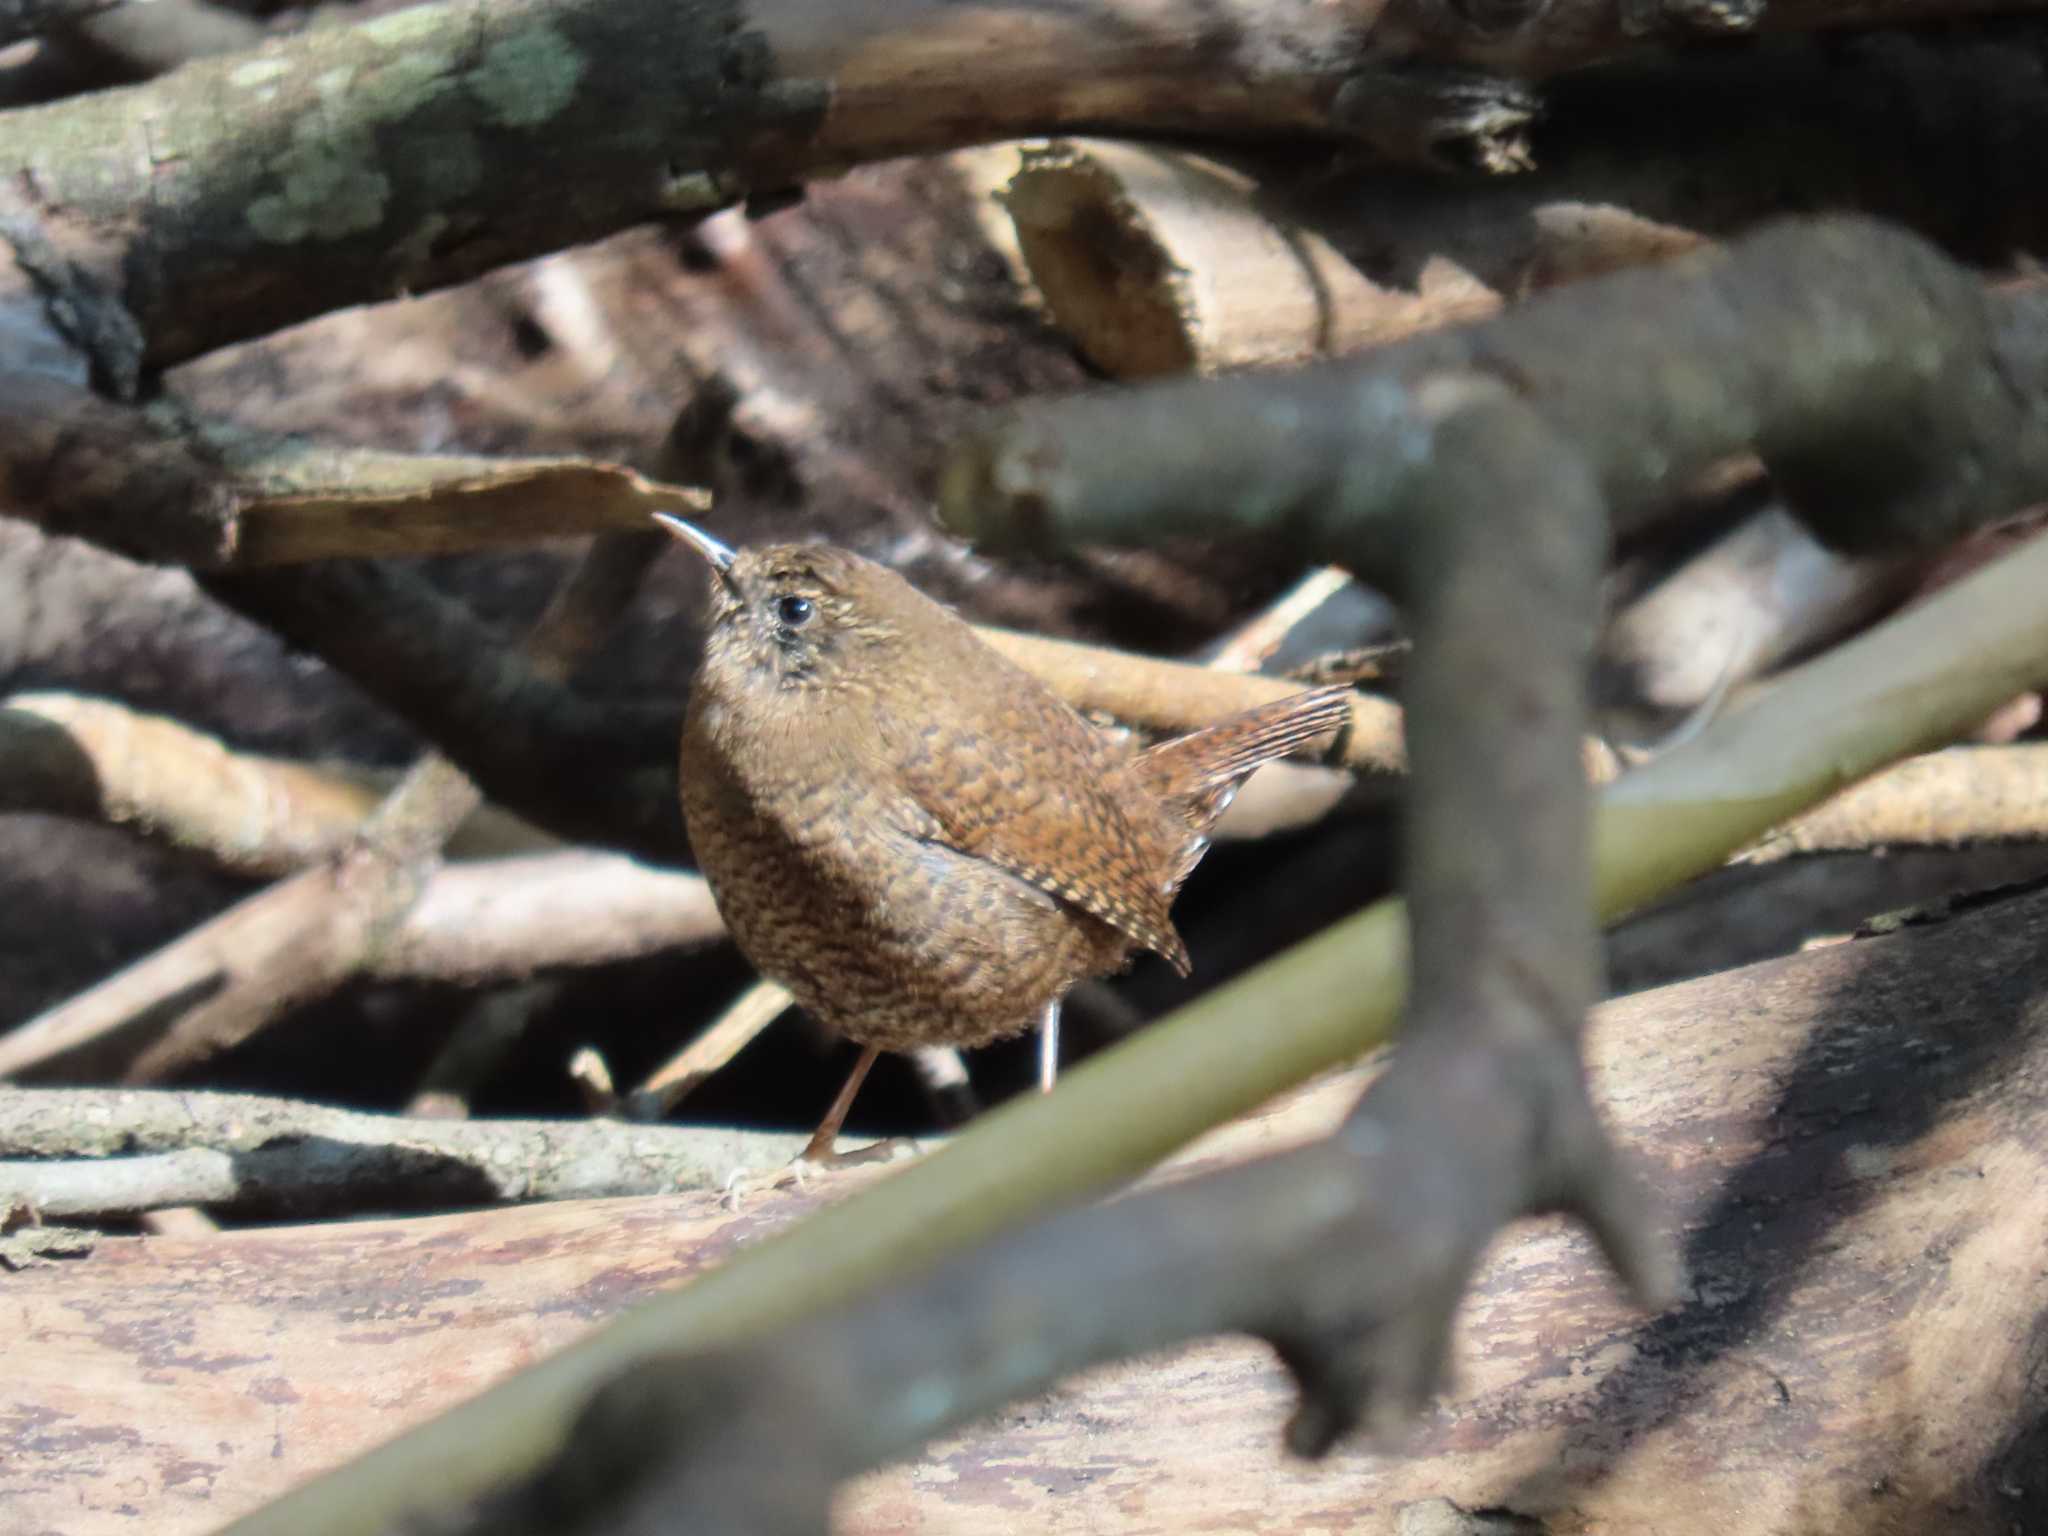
[(1477, 474)]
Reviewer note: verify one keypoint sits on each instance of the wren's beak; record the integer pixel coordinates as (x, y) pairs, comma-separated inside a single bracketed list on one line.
[(716, 555)]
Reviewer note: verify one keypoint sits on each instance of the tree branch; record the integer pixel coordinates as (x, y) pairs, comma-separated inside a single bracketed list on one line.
[(1476, 474), (96, 1153), (532, 127)]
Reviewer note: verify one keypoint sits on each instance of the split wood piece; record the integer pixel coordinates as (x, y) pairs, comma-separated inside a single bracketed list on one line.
[(1865, 1294), (93, 1153), (1159, 261)]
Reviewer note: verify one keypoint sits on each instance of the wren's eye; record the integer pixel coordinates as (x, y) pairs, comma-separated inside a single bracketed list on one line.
[(794, 612)]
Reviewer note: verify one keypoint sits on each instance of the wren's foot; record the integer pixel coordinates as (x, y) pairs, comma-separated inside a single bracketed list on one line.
[(820, 1158), (1463, 1134)]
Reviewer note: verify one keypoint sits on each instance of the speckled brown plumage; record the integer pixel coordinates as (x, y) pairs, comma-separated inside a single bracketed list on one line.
[(911, 833)]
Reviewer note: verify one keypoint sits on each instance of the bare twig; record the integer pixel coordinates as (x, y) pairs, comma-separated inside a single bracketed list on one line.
[(88, 1152), (62, 754), (288, 945), (592, 1075), (750, 1013)]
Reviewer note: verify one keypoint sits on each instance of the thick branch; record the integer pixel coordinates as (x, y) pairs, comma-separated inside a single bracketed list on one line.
[(1861, 366), (97, 1152), (470, 135)]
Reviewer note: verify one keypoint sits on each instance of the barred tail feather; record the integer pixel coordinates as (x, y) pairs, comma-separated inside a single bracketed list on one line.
[(1223, 754)]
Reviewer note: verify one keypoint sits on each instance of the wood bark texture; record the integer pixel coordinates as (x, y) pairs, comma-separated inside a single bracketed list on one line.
[(1850, 1141)]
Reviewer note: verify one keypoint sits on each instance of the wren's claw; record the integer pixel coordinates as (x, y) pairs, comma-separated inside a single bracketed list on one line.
[(1461, 1136), (817, 1161)]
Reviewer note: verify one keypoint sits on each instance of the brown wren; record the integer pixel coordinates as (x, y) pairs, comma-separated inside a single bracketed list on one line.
[(915, 836)]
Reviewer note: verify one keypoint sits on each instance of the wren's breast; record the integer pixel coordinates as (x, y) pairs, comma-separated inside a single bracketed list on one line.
[(891, 940)]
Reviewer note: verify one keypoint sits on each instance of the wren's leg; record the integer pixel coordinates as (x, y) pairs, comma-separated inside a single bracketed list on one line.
[(1049, 1047), (826, 1136), (819, 1154)]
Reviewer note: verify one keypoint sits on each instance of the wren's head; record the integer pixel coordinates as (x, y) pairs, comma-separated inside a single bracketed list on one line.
[(799, 616)]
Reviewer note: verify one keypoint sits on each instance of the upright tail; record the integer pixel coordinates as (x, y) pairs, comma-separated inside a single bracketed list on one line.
[(1199, 774), (1226, 752)]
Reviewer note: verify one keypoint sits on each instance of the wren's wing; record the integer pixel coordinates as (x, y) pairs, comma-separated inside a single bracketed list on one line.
[(1198, 774), (1024, 783)]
